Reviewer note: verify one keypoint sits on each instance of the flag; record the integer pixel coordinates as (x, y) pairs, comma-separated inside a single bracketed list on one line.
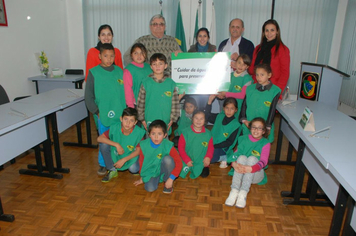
[(196, 26), (180, 35)]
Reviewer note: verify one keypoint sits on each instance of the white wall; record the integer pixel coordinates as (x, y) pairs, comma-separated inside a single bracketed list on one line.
[(49, 30)]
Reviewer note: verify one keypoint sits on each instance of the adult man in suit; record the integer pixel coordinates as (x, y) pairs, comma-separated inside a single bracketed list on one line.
[(236, 44)]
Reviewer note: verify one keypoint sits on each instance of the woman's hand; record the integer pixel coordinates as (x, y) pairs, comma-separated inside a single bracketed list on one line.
[(169, 125)]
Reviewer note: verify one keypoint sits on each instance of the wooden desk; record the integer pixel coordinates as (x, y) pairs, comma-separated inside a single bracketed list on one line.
[(44, 84), (328, 160)]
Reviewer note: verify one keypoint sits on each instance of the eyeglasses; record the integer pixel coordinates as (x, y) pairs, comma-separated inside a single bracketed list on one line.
[(257, 128), (158, 24)]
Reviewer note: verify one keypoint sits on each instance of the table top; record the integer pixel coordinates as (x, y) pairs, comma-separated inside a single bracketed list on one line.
[(65, 78), (21, 112), (335, 153)]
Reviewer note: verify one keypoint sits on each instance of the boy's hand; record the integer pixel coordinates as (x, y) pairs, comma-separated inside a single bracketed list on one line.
[(180, 96), (169, 183), (211, 99), (119, 149), (234, 165), (144, 125), (190, 164), (206, 161), (221, 94), (120, 163), (138, 182), (169, 125)]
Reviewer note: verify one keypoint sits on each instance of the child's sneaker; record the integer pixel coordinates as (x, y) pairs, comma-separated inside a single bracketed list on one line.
[(241, 199), (102, 171), (205, 173), (167, 190), (223, 164), (109, 176), (230, 201)]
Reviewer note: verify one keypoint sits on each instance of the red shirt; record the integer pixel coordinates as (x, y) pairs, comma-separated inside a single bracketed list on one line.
[(280, 64), (94, 60)]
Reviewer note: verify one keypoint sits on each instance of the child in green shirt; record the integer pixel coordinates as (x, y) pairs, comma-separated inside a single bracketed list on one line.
[(158, 96), (119, 145), (104, 93), (159, 160)]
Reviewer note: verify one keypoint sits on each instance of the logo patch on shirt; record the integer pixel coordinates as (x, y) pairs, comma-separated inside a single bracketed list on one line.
[(120, 81), (255, 153), (186, 169), (159, 156), (168, 93), (130, 147), (111, 114), (267, 103), (226, 134), (238, 88), (205, 144)]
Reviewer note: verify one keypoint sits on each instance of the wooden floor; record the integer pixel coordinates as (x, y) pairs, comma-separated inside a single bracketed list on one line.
[(80, 204)]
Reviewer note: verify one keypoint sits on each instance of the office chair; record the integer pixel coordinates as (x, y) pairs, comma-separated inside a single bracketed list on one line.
[(74, 72), (3, 96)]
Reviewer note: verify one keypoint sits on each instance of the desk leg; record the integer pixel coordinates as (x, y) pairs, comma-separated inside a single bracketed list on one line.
[(79, 134), (277, 158), (48, 160), (5, 217), (297, 170), (57, 150), (339, 211), (279, 142)]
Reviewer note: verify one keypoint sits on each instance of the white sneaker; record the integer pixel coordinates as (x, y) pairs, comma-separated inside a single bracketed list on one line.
[(241, 199), (223, 164), (230, 201)]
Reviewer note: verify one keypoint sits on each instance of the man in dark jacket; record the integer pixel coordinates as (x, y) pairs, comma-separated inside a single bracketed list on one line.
[(236, 44)]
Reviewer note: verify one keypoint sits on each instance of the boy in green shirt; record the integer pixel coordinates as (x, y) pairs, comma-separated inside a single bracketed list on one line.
[(158, 96), (159, 160), (104, 93), (119, 145)]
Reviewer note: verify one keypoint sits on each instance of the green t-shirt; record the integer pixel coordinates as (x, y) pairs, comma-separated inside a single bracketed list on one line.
[(158, 102), (258, 105), (127, 142), (151, 166), (222, 132), (183, 123), (248, 148), (196, 146), (109, 94), (236, 84), (138, 75)]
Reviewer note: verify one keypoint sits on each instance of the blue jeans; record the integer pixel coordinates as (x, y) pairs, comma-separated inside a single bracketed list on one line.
[(167, 166), (101, 130), (105, 150), (219, 155)]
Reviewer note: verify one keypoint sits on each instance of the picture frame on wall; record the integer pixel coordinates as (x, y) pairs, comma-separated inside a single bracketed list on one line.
[(3, 18)]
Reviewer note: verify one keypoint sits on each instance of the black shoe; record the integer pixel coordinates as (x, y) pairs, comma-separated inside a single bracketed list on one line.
[(205, 173)]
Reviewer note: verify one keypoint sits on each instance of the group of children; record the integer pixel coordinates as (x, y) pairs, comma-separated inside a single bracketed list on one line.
[(137, 140)]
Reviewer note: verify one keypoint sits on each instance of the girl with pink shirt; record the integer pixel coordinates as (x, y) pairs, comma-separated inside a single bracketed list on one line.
[(135, 72), (248, 162)]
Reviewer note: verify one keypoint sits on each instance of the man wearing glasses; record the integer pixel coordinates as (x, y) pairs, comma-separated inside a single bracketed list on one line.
[(156, 42)]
